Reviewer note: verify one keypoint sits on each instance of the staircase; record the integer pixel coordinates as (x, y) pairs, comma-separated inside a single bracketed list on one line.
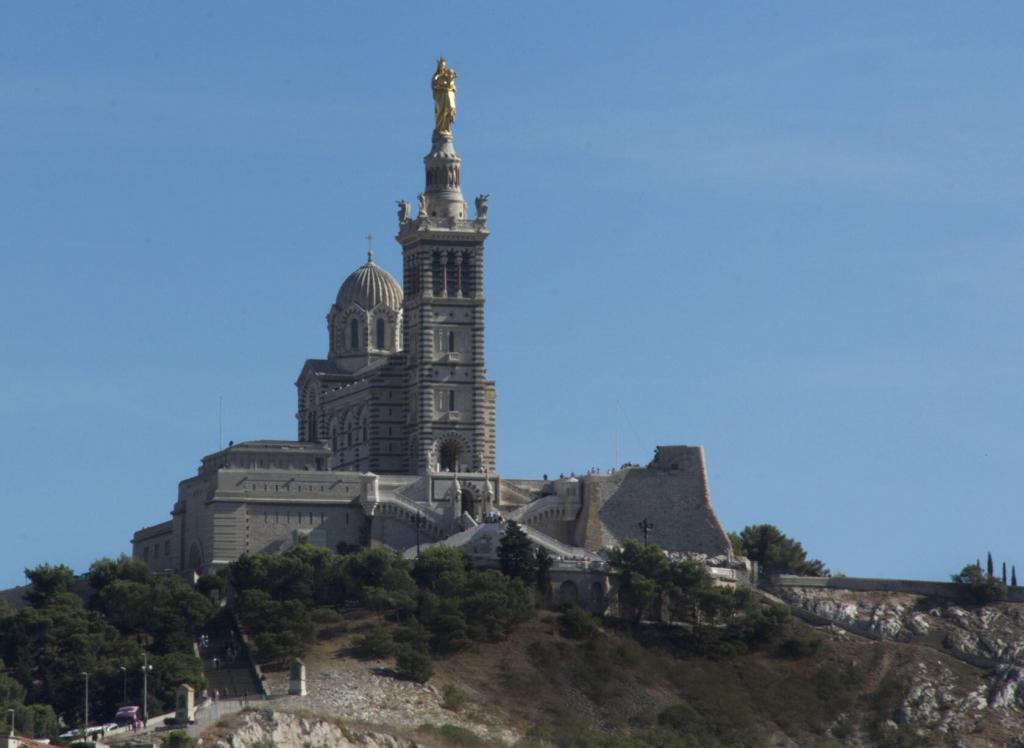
[(229, 673)]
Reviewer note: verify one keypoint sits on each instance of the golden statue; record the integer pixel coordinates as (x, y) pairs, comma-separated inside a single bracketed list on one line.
[(443, 86)]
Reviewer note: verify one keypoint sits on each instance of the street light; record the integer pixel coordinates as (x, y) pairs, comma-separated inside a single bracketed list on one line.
[(124, 685), (85, 729), (645, 528), (11, 725), (146, 667), (419, 520)]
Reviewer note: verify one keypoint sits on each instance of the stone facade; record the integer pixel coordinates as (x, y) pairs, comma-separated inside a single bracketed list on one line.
[(267, 496), (396, 431)]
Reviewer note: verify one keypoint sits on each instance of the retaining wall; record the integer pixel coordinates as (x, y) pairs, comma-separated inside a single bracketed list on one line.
[(872, 584)]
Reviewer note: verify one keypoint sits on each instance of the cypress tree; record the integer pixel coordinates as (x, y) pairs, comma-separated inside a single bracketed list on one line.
[(1004, 572), (1013, 576), (990, 564)]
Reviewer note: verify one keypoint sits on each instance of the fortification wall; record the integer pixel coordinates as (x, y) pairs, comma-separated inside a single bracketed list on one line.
[(946, 590)]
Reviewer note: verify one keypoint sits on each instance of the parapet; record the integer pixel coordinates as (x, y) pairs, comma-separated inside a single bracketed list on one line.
[(268, 455), (677, 457)]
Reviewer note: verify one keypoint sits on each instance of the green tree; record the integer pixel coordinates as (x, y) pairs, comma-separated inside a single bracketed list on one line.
[(169, 672), (516, 554), (443, 570), (163, 607), (975, 587), (105, 570), (47, 581), (687, 579), (643, 571), (33, 720), (376, 643), (493, 605), (377, 569), (46, 646), (544, 564), (213, 585), (413, 665), (576, 623), (412, 633), (775, 552)]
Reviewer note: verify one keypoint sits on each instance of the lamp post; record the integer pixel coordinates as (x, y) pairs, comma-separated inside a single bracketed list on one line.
[(124, 685), (11, 723), (645, 528), (85, 728), (419, 521), (146, 667)]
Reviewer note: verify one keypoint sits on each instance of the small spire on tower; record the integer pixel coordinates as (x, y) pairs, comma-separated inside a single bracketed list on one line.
[(369, 248)]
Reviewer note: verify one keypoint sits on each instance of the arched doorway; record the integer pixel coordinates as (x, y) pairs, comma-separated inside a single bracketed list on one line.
[(568, 594), (468, 503), (451, 452), (597, 597)]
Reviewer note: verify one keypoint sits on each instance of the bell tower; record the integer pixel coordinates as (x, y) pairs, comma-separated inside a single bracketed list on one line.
[(450, 421)]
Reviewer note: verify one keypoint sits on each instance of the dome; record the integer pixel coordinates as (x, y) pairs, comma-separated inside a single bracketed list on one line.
[(369, 286)]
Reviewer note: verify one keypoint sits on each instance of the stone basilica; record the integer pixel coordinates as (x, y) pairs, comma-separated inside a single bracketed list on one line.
[(403, 388), (396, 428)]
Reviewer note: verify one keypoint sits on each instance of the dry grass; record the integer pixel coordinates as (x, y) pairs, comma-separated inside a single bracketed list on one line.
[(567, 692)]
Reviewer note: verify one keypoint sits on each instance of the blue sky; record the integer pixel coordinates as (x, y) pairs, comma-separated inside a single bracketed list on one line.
[(788, 232)]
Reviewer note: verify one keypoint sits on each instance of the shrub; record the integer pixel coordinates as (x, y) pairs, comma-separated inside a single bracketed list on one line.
[(707, 720), (213, 583), (775, 552), (455, 736), (326, 616), (800, 644), (974, 588), (575, 623), (454, 698), (179, 739), (375, 643), (413, 665), (450, 633), (412, 633)]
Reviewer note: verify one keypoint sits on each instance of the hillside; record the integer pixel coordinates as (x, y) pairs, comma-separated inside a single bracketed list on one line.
[(541, 687), (435, 652)]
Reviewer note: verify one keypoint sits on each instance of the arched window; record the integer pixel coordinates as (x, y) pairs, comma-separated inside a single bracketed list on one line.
[(450, 456), (353, 334), (451, 399), (451, 341), (380, 334)]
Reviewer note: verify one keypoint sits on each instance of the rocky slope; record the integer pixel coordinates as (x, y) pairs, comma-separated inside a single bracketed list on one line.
[(261, 728), (990, 638), (911, 679), (987, 636)]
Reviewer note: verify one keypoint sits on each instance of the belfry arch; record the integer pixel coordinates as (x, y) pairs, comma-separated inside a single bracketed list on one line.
[(452, 452)]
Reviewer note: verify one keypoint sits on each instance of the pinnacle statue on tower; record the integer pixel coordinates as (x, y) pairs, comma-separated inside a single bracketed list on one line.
[(443, 86), (450, 424)]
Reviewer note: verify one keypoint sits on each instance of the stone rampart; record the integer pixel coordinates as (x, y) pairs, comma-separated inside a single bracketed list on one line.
[(874, 584)]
